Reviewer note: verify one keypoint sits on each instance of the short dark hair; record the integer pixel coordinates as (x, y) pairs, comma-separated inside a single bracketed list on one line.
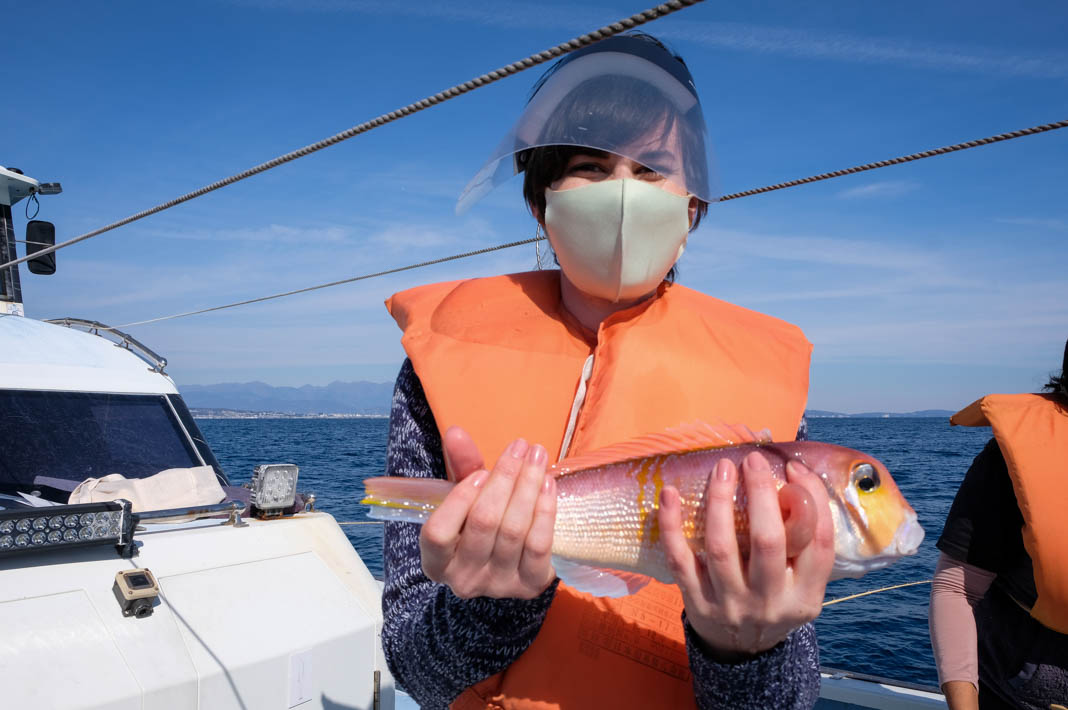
[(638, 111)]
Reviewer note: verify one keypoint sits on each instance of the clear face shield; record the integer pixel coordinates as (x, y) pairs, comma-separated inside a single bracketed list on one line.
[(624, 95)]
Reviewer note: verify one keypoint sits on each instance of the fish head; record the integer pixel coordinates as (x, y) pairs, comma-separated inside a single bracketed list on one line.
[(873, 523)]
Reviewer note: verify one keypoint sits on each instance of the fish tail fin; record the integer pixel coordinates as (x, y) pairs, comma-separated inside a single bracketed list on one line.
[(409, 500)]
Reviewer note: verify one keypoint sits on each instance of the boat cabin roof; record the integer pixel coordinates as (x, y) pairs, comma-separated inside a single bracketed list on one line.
[(43, 356)]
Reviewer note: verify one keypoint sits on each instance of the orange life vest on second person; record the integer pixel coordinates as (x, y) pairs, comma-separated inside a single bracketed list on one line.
[(501, 358), (1032, 432)]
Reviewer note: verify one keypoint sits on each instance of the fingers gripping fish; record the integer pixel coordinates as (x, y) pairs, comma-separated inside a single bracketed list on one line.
[(607, 539)]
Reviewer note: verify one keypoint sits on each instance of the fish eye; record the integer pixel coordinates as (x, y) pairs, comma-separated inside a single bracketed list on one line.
[(865, 477)]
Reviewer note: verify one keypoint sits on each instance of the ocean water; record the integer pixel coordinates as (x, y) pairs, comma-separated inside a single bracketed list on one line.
[(882, 634)]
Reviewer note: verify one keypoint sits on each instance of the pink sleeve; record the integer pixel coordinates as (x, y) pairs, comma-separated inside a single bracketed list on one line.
[(955, 590)]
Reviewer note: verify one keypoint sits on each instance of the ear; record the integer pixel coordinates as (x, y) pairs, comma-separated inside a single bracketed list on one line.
[(693, 210), (537, 213)]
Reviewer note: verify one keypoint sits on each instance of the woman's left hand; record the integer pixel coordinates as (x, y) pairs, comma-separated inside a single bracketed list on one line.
[(740, 607)]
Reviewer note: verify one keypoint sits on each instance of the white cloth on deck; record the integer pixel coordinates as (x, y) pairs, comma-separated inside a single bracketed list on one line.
[(171, 488)]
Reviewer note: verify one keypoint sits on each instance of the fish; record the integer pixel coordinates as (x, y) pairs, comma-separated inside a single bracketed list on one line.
[(606, 540)]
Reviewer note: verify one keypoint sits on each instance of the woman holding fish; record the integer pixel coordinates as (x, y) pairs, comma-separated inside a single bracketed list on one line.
[(642, 569)]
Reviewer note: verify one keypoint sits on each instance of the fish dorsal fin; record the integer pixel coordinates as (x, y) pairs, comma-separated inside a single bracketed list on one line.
[(694, 436)]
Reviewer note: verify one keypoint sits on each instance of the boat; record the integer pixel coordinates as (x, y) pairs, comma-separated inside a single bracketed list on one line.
[(253, 601)]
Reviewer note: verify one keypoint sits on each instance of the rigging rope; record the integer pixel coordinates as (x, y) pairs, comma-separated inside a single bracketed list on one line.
[(327, 285), (875, 591), (903, 159), (585, 40), (733, 196)]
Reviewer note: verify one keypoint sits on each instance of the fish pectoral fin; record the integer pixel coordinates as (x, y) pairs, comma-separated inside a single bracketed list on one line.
[(598, 581)]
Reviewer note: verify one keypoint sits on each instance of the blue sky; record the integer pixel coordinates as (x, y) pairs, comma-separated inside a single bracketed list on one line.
[(921, 286)]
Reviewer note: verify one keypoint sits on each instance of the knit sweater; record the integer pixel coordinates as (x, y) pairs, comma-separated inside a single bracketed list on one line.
[(437, 645)]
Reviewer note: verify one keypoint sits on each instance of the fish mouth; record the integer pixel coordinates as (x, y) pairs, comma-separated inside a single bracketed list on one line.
[(908, 537), (851, 563)]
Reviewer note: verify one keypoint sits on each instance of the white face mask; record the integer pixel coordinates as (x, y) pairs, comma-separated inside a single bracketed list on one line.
[(617, 239)]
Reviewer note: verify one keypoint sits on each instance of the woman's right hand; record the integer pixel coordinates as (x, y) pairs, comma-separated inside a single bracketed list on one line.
[(492, 536)]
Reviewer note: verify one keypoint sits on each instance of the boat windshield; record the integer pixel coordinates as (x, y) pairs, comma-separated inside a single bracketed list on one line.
[(79, 435)]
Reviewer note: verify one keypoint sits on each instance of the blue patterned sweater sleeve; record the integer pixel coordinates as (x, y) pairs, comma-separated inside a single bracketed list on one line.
[(785, 677), (437, 644)]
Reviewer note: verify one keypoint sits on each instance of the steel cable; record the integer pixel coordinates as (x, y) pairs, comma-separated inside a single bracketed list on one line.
[(585, 40), (733, 196)]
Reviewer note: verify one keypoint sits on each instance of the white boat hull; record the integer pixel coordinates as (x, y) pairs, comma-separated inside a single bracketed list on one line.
[(278, 614)]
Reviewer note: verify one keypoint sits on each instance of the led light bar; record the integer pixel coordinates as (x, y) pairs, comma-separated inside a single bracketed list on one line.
[(274, 487), (65, 526)]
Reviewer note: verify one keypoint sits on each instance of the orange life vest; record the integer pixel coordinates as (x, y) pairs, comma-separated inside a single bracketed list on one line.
[(501, 358), (1032, 433)]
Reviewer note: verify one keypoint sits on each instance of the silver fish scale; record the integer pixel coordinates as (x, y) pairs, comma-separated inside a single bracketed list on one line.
[(607, 515)]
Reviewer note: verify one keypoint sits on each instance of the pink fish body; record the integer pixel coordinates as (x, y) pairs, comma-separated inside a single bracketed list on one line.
[(607, 538)]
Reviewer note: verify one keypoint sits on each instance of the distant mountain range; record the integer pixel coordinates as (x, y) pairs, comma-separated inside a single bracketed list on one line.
[(369, 398), (936, 413), (334, 398)]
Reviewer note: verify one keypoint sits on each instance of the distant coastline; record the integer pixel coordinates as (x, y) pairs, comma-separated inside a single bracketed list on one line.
[(208, 413), (920, 414), (258, 400), (368, 400), (226, 413)]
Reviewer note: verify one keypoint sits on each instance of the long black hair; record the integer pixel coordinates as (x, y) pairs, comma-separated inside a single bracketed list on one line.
[(1058, 383)]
